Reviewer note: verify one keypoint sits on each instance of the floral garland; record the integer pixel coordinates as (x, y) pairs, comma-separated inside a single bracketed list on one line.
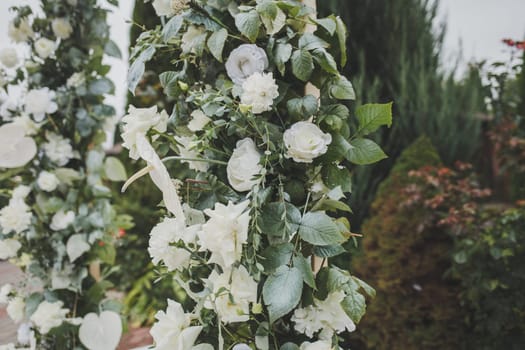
[(271, 170), (58, 224)]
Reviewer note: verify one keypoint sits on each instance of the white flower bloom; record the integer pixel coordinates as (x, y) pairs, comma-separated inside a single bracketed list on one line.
[(47, 181), (244, 165), (25, 336), (198, 120), (163, 8), (326, 316), (8, 346), (173, 329), (61, 278), (62, 28), (139, 121), (8, 57), (22, 32), (58, 149), (191, 39), (101, 332), (258, 91), (244, 61), (24, 121), (44, 47), (61, 220), (38, 102), (304, 141), (171, 230), (16, 309), (17, 149), (242, 291), (9, 248), (318, 345), (241, 347), (186, 150), (76, 246), (21, 192), (49, 315), (76, 79), (16, 216), (225, 232), (5, 290)]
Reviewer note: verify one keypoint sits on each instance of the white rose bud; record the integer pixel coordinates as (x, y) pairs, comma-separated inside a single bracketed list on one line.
[(47, 181), (198, 120), (61, 220), (9, 57), (244, 165), (62, 28), (44, 47), (244, 61), (304, 141)]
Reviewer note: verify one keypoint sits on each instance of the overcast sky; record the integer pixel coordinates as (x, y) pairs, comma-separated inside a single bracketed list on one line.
[(479, 25)]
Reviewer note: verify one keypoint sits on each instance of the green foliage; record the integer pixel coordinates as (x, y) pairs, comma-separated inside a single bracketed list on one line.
[(415, 306)]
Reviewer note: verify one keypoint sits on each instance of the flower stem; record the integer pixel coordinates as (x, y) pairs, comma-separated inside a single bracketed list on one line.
[(212, 161)]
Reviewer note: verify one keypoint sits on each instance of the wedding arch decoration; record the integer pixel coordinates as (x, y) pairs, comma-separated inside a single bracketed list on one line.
[(58, 223), (271, 169)]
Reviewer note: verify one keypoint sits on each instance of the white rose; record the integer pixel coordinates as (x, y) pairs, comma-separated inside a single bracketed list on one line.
[(193, 39), (171, 230), (304, 141), (17, 149), (8, 57), (139, 121), (9, 248), (76, 246), (16, 309), (44, 47), (58, 149), (49, 315), (62, 28), (186, 150), (244, 165), (15, 217), (76, 79), (47, 181), (38, 102), (244, 61), (198, 120), (163, 8), (25, 336), (22, 32), (4, 293), (258, 91), (61, 220), (233, 291), (225, 232), (172, 329), (318, 345)]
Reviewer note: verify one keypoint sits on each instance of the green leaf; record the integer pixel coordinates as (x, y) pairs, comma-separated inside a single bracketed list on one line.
[(328, 251), (303, 107), (319, 229), (325, 60), (309, 41), (248, 24), (272, 16), (333, 205), (32, 303), (114, 169), (112, 49), (101, 86), (216, 43), (341, 88), (334, 176), (279, 219), (372, 116), (282, 291), (289, 346), (106, 253), (366, 287), (302, 64), (282, 54), (354, 306), (304, 266), (328, 24), (359, 151), (341, 37), (276, 256), (137, 68), (172, 28)]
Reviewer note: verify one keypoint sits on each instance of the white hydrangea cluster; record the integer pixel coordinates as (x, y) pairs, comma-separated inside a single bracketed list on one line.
[(58, 149)]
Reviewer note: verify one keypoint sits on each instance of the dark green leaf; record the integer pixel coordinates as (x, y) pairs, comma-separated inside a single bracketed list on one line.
[(172, 28), (302, 108), (279, 219), (372, 116), (248, 24), (341, 88), (216, 43), (282, 54), (319, 229), (304, 266), (328, 251), (276, 256), (309, 41), (328, 24), (282, 291), (341, 36), (302, 64), (325, 60), (112, 49), (334, 176), (354, 305)]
